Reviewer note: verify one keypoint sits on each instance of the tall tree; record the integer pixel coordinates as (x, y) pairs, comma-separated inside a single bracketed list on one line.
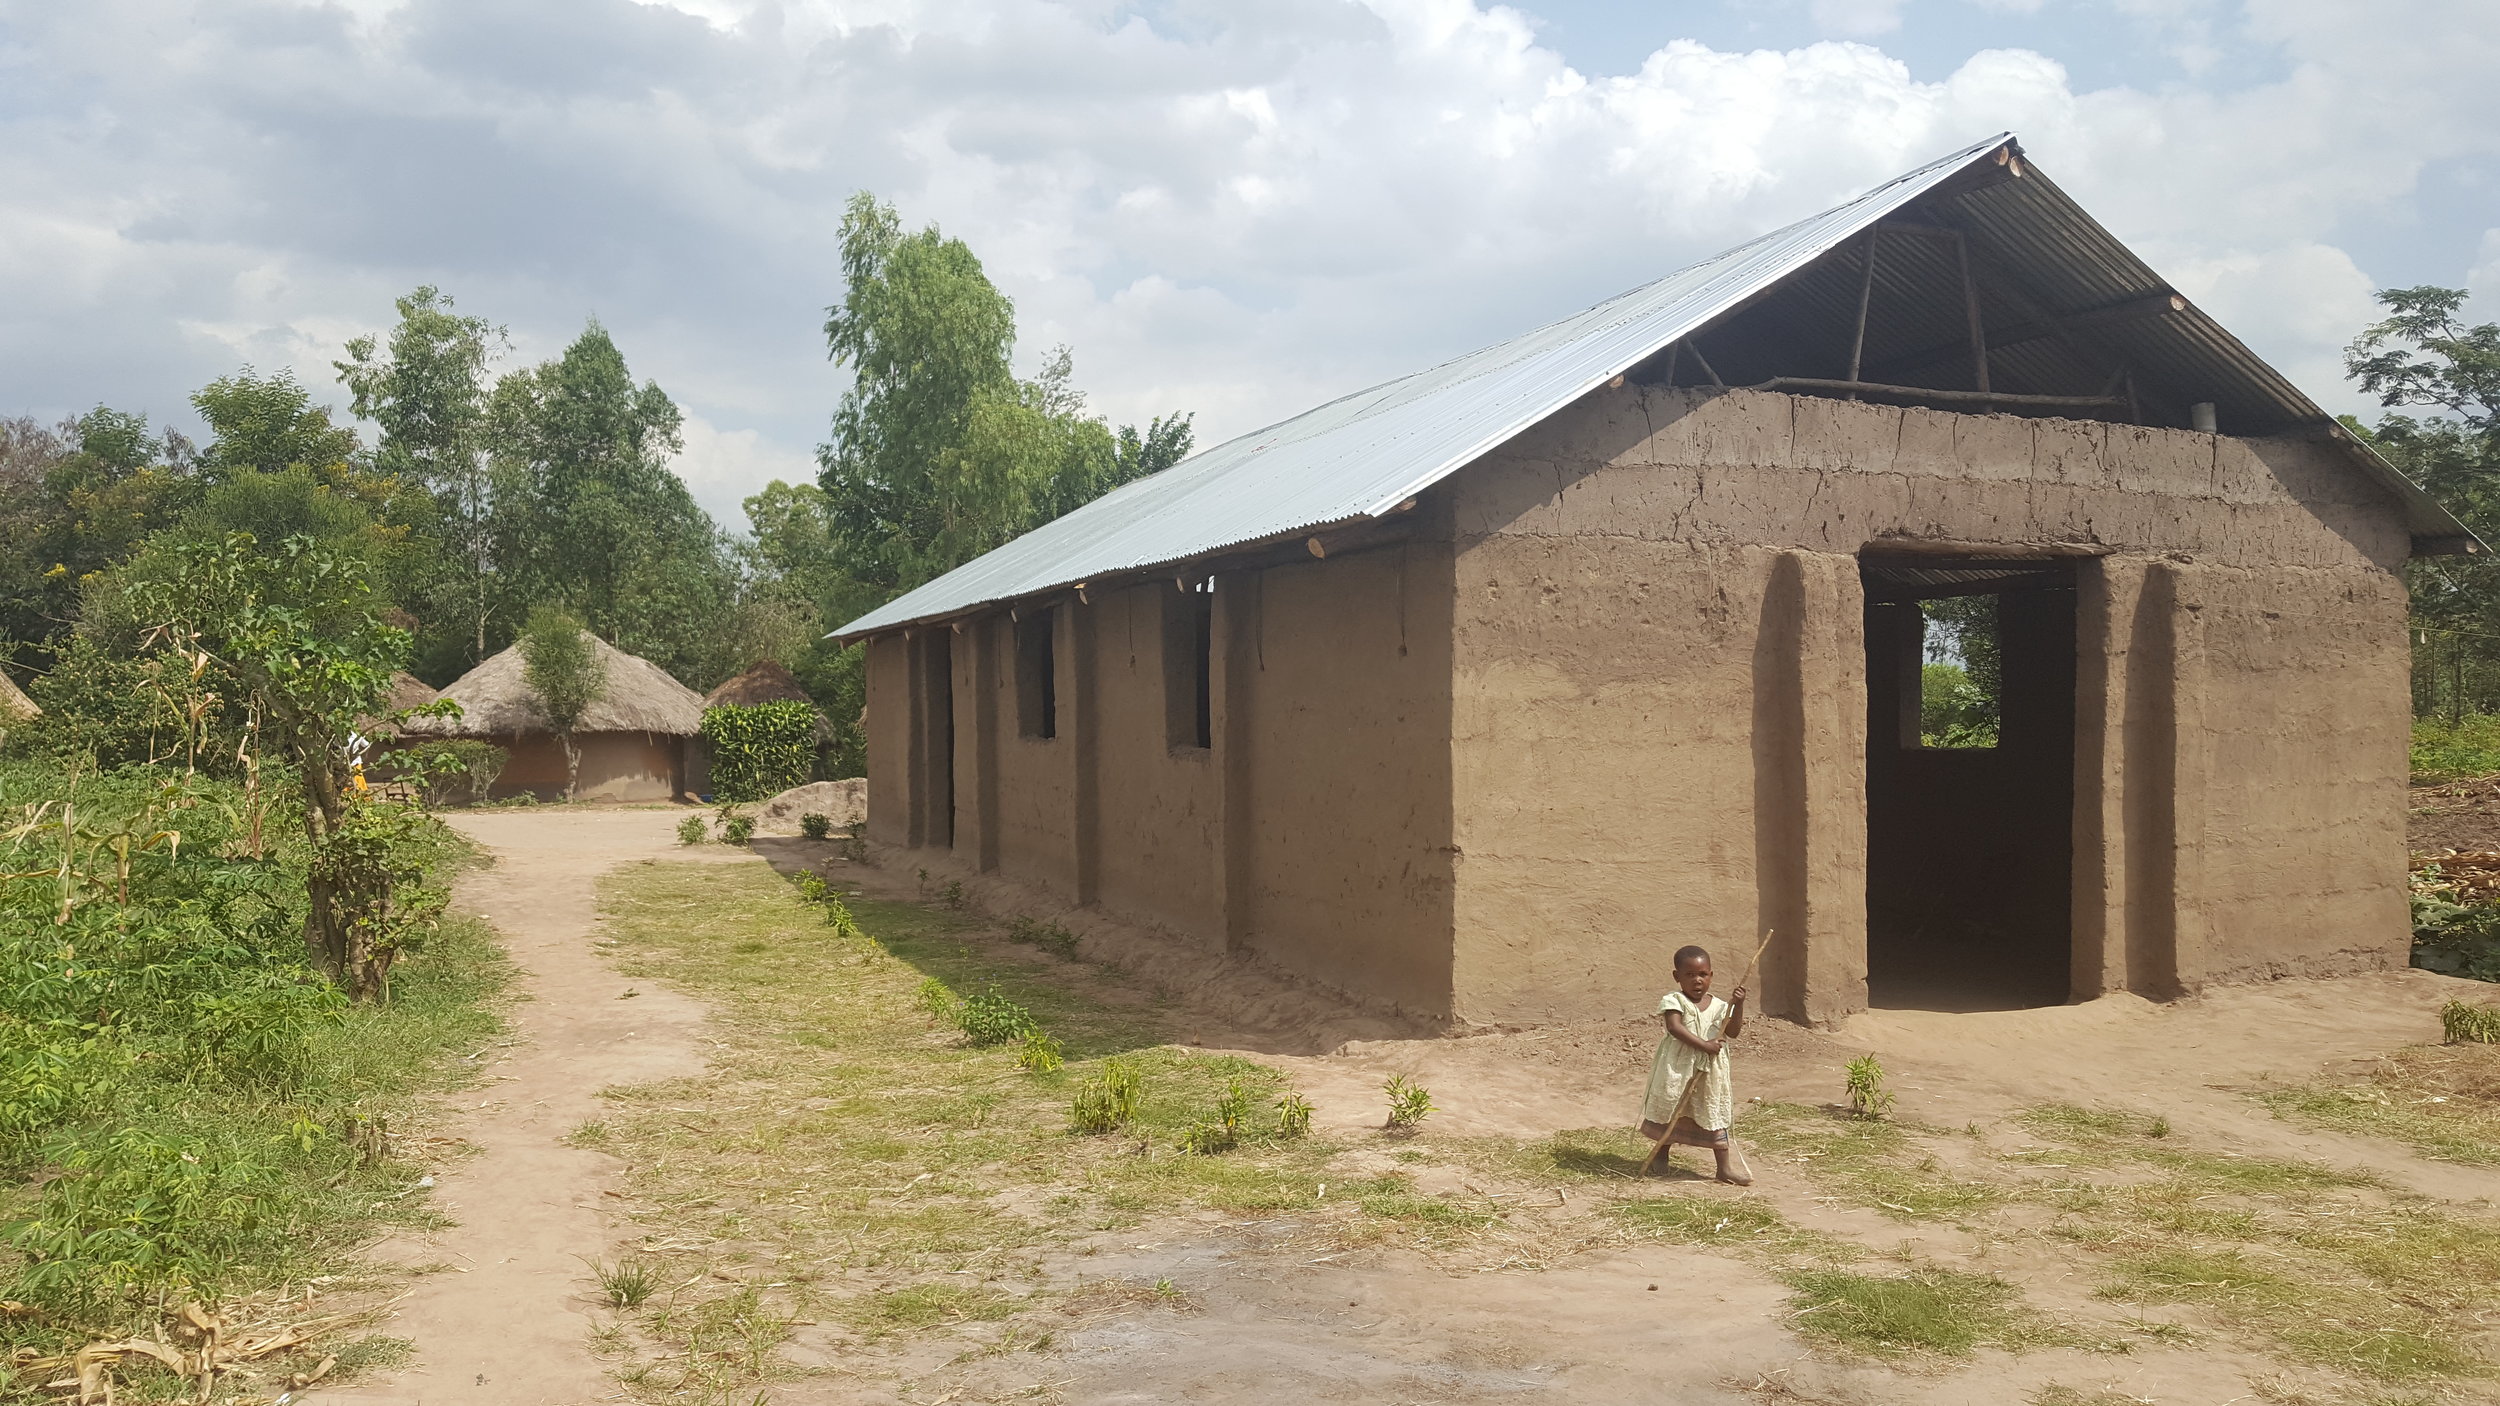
[(939, 453), (587, 511), (73, 501), (2425, 355), (426, 393)]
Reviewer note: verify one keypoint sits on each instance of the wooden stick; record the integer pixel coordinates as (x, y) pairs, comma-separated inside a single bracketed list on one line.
[(1747, 979)]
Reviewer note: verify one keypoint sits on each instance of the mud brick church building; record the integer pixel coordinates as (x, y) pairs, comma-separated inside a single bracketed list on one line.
[(1479, 692)]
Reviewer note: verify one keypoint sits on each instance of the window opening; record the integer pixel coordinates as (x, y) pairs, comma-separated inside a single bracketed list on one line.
[(1963, 674), (1188, 667), (1037, 673)]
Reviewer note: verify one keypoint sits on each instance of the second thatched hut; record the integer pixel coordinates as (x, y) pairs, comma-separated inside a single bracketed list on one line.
[(633, 740)]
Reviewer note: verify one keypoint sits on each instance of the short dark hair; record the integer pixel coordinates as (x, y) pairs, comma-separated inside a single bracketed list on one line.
[(1686, 954)]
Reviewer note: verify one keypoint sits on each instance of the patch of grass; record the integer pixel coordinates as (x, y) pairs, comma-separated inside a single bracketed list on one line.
[(928, 1305), (1925, 1310), (2364, 1334), (1705, 1220), (1434, 1211), (2463, 1023), (2441, 1101), (2444, 753), (1876, 1164), (626, 1285), (373, 1353)]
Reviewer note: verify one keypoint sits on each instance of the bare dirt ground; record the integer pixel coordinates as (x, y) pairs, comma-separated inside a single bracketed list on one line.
[(504, 1313), (1268, 1318), (2454, 817)]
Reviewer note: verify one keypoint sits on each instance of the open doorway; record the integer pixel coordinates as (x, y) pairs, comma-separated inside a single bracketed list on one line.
[(1969, 781)]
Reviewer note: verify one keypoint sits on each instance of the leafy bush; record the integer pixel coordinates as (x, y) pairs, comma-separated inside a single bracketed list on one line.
[(1106, 1102), (2451, 937), (759, 750), (838, 917), (1222, 1133), (992, 1019), (1410, 1103), (693, 831), (937, 1000), (1293, 1116), (2462, 1023), (737, 830), (816, 825), (1050, 937), (1040, 1055), (2442, 752), (1953, 710)]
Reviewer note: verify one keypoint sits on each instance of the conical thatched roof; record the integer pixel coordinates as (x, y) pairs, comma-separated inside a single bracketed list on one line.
[(406, 691), (15, 706), (768, 682), (495, 700)]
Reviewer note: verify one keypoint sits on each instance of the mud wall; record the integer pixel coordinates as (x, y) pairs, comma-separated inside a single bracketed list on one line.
[(1659, 659), (615, 766), (1160, 811), (1334, 725)]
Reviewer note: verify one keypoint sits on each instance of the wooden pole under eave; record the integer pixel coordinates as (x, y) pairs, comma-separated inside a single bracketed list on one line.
[(1970, 306), (1866, 295)]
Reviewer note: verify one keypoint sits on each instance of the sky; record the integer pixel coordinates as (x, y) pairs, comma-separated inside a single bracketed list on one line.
[(1235, 210)]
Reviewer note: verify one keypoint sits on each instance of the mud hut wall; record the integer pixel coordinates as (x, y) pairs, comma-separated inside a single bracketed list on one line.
[(892, 738), (615, 766), (1158, 802), (1022, 791), (1333, 731), (1712, 538)]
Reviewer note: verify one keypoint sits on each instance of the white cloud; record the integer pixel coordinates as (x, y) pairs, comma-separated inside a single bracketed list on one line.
[(1856, 19), (1240, 211), (722, 468)]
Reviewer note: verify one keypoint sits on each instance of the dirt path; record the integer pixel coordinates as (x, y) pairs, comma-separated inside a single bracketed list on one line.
[(509, 1318)]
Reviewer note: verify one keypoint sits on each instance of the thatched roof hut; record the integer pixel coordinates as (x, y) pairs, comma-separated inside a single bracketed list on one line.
[(15, 706), (406, 691), (495, 700), (632, 739)]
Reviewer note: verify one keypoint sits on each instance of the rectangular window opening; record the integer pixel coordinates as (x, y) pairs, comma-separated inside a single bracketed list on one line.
[(1188, 667), (1037, 673), (1962, 675)]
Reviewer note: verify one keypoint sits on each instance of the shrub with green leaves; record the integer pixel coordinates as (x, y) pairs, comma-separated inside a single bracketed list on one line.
[(760, 750), (1040, 1054), (693, 831), (816, 825), (1293, 1116), (2462, 1023), (992, 1019), (457, 770), (838, 917), (1050, 937), (1410, 1103), (1106, 1102), (737, 830)]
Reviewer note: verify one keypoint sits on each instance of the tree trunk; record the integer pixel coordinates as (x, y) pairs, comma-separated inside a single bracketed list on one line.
[(572, 765)]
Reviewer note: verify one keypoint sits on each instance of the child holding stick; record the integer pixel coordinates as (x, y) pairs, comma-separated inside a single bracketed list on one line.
[(1691, 1098)]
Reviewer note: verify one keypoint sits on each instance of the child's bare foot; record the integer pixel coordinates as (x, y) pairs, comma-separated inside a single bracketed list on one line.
[(1734, 1179)]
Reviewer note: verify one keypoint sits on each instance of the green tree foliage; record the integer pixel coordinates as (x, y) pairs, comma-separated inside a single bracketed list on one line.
[(564, 670), (939, 453), (301, 634), (759, 750), (73, 501), (587, 511), (267, 424), (2424, 355), (425, 390)]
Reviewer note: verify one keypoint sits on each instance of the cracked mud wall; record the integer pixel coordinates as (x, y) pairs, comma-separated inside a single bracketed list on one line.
[(1660, 715)]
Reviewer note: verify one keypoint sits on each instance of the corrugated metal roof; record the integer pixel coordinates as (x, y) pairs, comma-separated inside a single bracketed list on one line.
[(1361, 456)]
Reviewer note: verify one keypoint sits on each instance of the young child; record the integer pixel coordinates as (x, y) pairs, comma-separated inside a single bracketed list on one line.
[(1694, 1055)]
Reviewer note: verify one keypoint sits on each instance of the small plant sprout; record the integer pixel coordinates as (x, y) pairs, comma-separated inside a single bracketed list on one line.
[(627, 1285), (1107, 1101), (2461, 1023), (1050, 937), (953, 894), (838, 917), (1293, 1116), (811, 886), (1864, 1086), (1040, 1053), (816, 826), (2159, 1127), (692, 830), (1410, 1103), (936, 1000)]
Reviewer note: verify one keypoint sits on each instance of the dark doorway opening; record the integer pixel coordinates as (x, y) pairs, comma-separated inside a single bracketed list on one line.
[(1970, 765)]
